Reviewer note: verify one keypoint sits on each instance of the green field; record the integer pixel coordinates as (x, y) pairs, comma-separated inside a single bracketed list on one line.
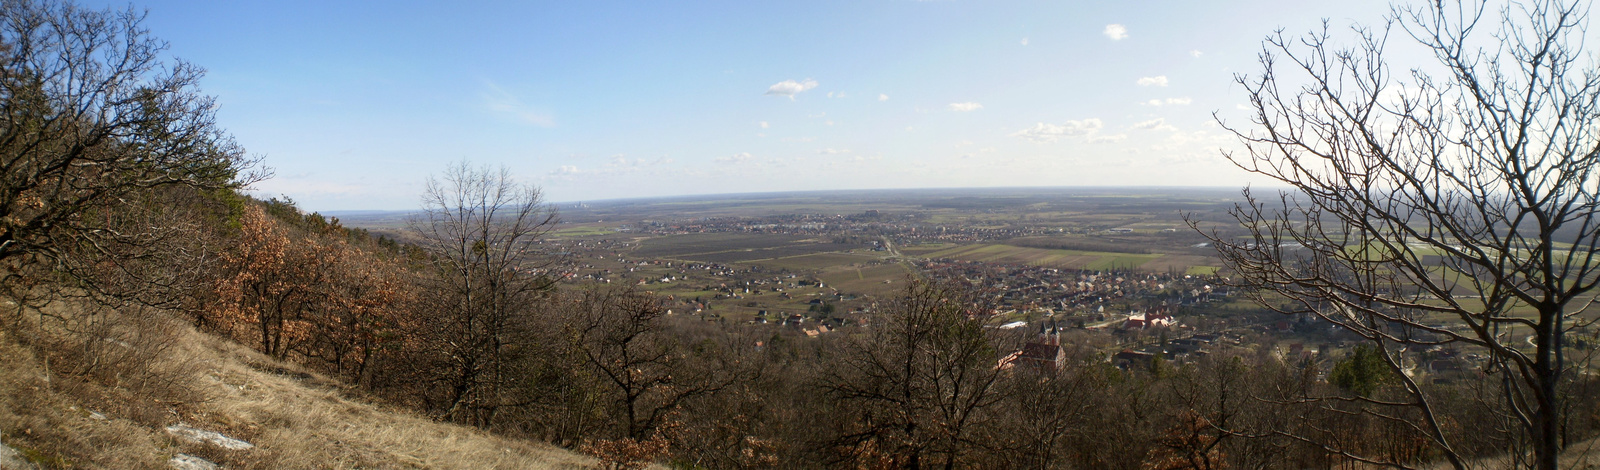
[(924, 248), (814, 261), (1045, 257), (578, 232), (872, 280)]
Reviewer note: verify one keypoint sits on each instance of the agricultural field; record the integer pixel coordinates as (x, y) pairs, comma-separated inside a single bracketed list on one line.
[(817, 261), (864, 244), (880, 279), (735, 248), (1072, 259)]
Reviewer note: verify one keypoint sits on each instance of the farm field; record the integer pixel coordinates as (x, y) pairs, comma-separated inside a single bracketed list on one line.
[(647, 242), (815, 261), (735, 248), (1074, 259), (871, 280), (581, 231)]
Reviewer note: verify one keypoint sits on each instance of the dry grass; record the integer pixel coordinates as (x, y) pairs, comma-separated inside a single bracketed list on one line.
[(55, 370)]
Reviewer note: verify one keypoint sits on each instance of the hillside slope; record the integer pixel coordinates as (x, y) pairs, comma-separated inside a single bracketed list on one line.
[(69, 399)]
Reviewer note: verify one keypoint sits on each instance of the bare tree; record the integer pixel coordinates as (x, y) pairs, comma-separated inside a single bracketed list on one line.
[(921, 380), (90, 119), (481, 229), (1450, 203)]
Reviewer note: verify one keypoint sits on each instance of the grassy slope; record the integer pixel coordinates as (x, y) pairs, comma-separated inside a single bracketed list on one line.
[(296, 419)]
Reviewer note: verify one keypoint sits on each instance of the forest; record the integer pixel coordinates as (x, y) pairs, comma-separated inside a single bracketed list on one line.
[(125, 214)]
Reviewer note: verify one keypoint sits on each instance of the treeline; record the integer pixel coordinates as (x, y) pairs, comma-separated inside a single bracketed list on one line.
[(118, 188), (465, 323), (461, 330)]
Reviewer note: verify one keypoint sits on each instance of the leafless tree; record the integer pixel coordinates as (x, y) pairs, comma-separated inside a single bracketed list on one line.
[(1453, 202), (481, 229), (92, 120), (922, 380), (648, 374)]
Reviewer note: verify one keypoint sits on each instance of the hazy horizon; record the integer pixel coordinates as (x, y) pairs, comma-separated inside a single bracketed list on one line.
[(355, 106), (983, 190)]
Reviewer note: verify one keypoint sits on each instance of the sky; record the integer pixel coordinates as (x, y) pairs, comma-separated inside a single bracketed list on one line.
[(355, 104)]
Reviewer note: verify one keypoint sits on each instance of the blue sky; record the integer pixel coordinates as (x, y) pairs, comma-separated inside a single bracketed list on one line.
[(355, 104)]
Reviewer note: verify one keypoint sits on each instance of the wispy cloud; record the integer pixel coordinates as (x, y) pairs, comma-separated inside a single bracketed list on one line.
[(883, 97), (764, 124), (618, 165), (568, 173), (506, 104), (1116, 32), (1106, 139), (1168, 102), (736, 158), (1159, 80), (1157, 124), (790, 88), (965, 107), (1024, 41), (1196, 53), (1045, 132)]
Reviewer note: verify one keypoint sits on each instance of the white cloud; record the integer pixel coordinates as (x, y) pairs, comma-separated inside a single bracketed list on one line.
[(1168, 101), (965, 107), (832, 151), (1045, 132), (618, 165), (838, 94), (1157, 124), (883, 97), (790, 88), (499, 100), (764, 124), (828, 122), (736, 158), (1116, 32), (1196, 53), (1160, 80), (1024, 41), (1107, 139)]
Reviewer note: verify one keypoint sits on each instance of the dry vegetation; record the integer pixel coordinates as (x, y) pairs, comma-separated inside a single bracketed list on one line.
[(67, 402)]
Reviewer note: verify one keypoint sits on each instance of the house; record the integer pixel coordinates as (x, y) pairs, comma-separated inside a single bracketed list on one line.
[(1139, 321)]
